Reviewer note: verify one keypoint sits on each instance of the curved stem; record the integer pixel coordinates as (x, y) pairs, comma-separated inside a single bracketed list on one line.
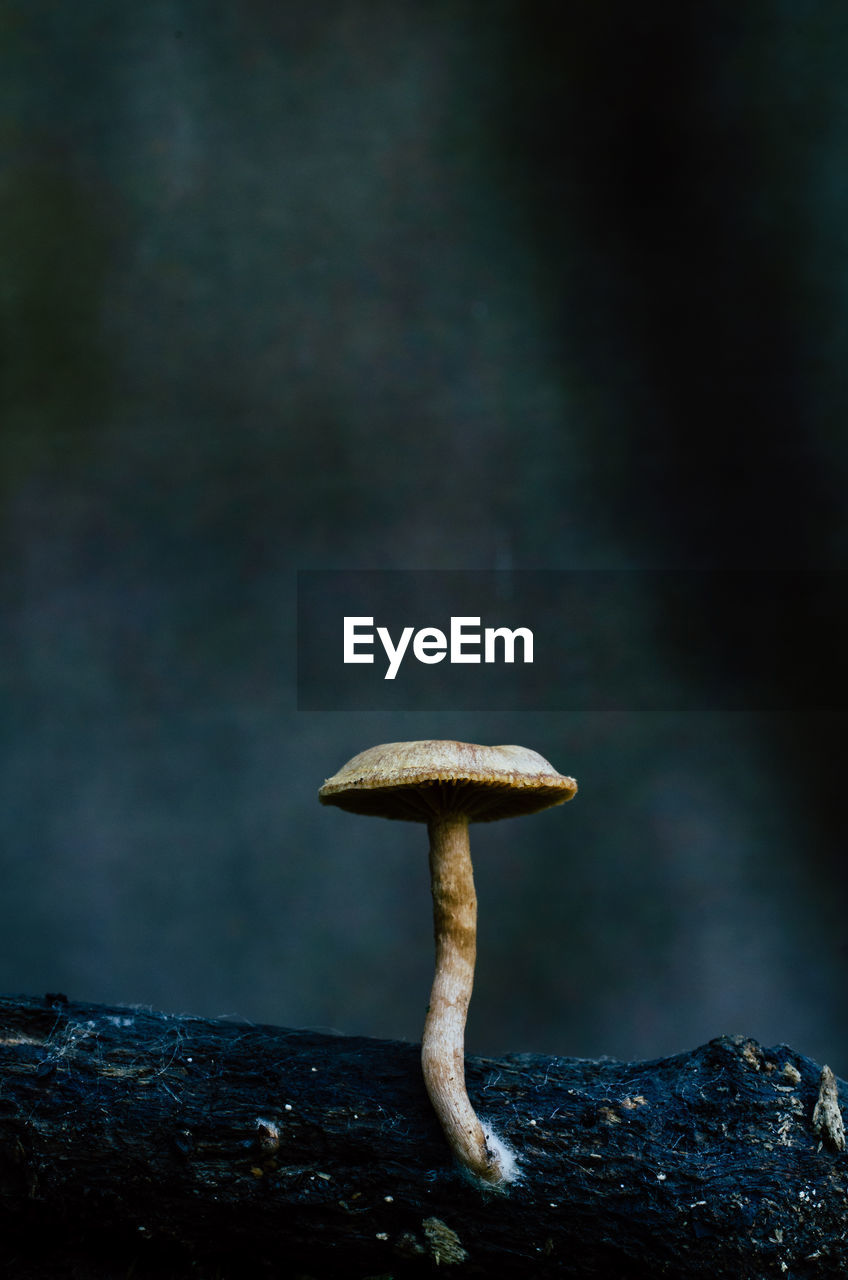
[(442, 1048)]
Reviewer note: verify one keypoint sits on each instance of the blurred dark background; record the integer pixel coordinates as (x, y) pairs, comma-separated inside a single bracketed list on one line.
[(397, 286)]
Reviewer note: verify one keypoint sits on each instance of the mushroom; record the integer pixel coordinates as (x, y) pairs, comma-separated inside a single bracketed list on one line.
[(447, 785)]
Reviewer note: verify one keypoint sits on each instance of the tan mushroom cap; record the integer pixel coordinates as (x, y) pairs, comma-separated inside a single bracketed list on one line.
[(418, 781)]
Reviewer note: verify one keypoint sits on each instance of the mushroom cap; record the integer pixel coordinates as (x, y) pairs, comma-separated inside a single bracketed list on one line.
[(418, 781)]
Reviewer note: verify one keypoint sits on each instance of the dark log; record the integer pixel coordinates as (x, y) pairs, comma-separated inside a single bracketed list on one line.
[(256, 1150)]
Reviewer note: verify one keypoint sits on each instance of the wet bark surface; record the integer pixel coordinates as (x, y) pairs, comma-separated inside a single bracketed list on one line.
[(134, 1142)]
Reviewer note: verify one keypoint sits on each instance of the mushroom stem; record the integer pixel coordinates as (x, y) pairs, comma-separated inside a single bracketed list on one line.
[(442, 1048)]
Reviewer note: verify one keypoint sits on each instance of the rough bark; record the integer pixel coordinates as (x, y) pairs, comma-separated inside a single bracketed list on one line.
[(258, 1150)]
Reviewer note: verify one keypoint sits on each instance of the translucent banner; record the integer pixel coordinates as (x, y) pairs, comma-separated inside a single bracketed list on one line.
[(593, 640)]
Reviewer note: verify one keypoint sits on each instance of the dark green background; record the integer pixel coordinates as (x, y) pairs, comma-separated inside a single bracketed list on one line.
[(414, 286)]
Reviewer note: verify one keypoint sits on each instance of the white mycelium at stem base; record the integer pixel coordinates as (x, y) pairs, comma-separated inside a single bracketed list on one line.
[(443, 1045)]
